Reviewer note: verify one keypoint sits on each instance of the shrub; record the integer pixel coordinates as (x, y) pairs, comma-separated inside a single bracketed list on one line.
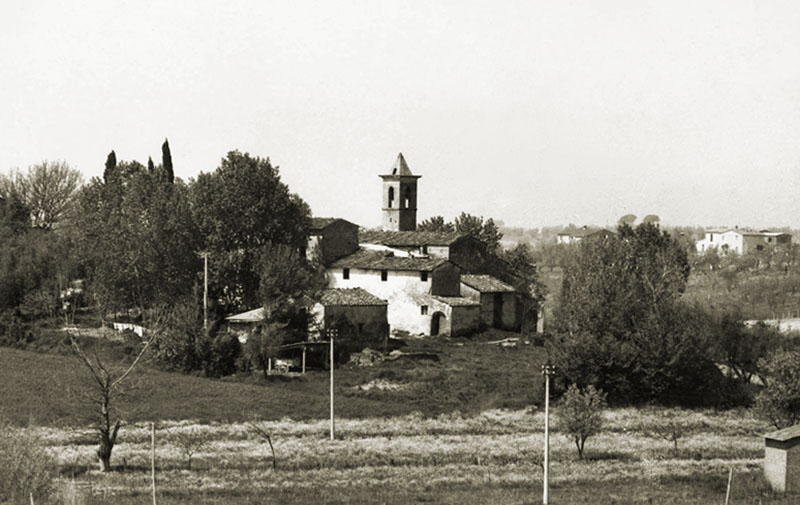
[(581, 414), (779, 402), (25, 467)]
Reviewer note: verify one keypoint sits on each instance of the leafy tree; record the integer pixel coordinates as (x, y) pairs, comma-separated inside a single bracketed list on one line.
[(620, 324), (626, 220), (138, 238), (28, 469), (581, 414), (263, 344), (47, 189), (436, 223), (521, 263), (286, 279), (240, 208), (779, 402)]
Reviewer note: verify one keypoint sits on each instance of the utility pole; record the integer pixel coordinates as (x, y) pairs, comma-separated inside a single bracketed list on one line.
[(204, 255), (547, 371), (331, 334)]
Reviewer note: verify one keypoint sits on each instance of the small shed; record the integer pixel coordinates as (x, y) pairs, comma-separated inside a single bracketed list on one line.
[(498, 300), (782, 459)]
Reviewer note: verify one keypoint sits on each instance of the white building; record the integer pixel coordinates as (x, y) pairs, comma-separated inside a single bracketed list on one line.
[(734, 240)]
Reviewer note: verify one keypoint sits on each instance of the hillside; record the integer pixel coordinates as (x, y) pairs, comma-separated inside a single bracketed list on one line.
[(469, 376)]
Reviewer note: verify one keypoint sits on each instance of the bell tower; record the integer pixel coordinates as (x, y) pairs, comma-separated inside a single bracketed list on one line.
[(400, 197)]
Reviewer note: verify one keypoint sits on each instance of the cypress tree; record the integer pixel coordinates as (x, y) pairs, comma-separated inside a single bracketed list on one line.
[(166, 161), (150, 167), (111, 166)]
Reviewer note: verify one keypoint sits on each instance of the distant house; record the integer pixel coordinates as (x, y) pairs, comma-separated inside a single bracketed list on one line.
[(243, 323), (734, 240), (574, 236), (359, 316), (499, 306), (424, 293)]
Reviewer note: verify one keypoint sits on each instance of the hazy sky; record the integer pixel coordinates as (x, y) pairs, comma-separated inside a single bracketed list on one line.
[(531, 112)]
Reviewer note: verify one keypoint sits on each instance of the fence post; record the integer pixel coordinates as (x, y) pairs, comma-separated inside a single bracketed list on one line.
[(153, 458)]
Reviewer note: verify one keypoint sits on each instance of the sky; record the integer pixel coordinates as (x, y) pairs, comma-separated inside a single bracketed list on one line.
[(534, 113)]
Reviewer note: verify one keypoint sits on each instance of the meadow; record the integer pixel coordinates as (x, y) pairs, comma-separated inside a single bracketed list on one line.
[(465, 429), (491, 457)]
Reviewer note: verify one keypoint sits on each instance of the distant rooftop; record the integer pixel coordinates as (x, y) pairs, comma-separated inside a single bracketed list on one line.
[(486, 284), (383, 260), (350, 297), (408, 238), (319, 223)]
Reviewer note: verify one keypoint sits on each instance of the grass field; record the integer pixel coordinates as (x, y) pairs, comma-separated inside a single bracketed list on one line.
[(492, 457), (462, 430)]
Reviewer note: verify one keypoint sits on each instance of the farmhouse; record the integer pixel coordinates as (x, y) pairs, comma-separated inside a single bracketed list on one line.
[(498, 300), (734, 240), (417, 273), (575, 236), (359, 316), (423, 293)]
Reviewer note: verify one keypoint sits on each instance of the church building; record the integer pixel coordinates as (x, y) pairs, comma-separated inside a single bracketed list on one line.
[(419, 274)]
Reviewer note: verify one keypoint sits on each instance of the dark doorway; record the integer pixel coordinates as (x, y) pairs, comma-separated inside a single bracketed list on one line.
[(497, 316), (436, 321)]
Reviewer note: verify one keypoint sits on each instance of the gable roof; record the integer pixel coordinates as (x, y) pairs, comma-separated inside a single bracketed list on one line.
[(251, 316), (486, 284), (786, 434), (350, 297), (319, 223), (382, 260), (409, 238)]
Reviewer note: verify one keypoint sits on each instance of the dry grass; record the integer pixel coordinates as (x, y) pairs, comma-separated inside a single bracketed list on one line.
[(407, 457)]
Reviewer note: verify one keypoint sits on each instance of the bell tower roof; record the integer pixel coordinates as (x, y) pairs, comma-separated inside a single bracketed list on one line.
[(400, 169)]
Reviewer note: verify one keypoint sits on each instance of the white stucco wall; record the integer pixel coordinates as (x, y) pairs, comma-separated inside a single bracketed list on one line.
[(714, 240), (404, 291), (775, 468)]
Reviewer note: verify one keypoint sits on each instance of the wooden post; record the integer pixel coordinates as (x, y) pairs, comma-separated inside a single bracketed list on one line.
[(728, 492), (269, 365), (304, 359), (153, 458), (330, 336), (547, 370)]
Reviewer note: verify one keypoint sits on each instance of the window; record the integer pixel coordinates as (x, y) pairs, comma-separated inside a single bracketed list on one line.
[(423, 276), (391, 196), (423, 309), (384, 275), (425, 249), (345, 273)]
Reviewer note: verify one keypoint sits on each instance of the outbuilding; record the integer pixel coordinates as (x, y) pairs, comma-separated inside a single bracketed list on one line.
[(782, 459)]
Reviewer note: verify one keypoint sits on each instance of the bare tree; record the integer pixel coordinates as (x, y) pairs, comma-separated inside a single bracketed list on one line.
[(47, 189), (190, 442), (103, 391), (264, 433)]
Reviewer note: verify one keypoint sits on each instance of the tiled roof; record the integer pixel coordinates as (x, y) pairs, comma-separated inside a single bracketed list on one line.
[(319, 223), (408, 238), (748, 232), (486, 284), (381, 260), (457, 301), (349, 297)]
